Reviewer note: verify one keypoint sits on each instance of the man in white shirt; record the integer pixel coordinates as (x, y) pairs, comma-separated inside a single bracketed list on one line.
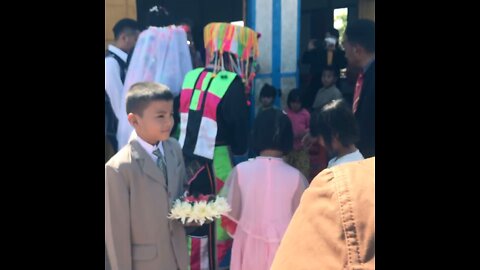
[(126, 33)]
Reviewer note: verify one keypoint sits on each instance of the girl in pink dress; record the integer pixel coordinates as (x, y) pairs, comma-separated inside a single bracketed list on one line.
[(263, 193), (300, 119)]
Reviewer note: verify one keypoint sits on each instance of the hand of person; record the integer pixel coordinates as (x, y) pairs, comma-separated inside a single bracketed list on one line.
[(307, 140)]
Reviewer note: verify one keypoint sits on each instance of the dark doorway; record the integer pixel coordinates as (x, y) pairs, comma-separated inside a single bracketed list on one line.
[(316, 17)]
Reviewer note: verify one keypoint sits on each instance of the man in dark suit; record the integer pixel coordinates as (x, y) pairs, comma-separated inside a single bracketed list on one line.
[(359, 44)]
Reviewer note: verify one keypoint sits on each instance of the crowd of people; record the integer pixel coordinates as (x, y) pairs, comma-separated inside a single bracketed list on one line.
[(300, 181)]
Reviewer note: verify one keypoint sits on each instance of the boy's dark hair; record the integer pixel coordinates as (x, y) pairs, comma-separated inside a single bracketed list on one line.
[(268, 91), (272, 130), (141, 94), (294, 96), (336, 72), (124, 25), (335, 118), (362, 32)]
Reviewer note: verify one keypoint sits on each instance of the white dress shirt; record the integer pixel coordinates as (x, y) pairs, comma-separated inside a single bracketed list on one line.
[(113, 82), (150, 148), (354, 156)]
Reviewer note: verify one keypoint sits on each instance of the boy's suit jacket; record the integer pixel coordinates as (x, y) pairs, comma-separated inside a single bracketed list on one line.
[(138, 234)]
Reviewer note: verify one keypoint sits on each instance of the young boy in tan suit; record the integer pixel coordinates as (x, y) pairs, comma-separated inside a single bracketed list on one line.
[(141, 182)]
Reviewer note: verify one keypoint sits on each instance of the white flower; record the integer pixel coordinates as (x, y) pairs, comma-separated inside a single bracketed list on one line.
[(180, 210), (200, 213), (221, 206), (213, 210)]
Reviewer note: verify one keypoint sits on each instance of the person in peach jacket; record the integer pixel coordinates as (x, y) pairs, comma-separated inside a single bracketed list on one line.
[(334, 225)]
